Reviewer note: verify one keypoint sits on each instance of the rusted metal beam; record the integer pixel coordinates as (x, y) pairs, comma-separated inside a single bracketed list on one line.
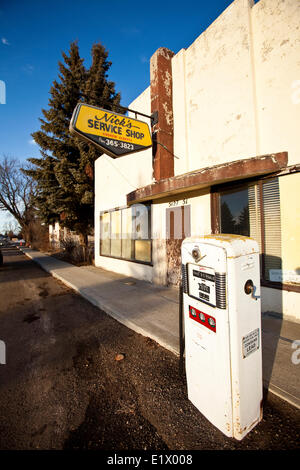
[(206, 177)]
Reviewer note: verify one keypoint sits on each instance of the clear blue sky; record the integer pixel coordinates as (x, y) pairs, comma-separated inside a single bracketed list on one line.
[(33, 33)]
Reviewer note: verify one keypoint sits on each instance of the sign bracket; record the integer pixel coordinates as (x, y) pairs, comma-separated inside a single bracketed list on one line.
[(153, 117)]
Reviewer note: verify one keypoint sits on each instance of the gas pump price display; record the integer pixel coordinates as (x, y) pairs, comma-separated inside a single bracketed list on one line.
[(201, 282)]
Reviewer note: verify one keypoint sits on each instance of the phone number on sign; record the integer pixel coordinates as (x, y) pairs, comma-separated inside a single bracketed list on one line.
[(115, 143)]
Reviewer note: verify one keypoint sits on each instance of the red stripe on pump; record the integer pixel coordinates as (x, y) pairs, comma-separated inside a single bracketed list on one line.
[(200, 317)]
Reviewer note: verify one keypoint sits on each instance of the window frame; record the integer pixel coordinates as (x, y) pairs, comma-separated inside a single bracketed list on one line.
[(148, 263), (215, 193)]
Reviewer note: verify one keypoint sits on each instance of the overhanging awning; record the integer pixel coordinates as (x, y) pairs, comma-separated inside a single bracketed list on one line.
[(213, 175)]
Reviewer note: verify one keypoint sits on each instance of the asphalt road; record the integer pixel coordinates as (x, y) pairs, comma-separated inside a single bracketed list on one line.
[(62, 387)]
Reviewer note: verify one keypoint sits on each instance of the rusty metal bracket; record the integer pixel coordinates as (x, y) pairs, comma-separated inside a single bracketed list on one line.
[(135, 112), (154, 118)]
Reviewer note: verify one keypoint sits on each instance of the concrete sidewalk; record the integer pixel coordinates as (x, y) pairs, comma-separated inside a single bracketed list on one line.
[(153, 311)]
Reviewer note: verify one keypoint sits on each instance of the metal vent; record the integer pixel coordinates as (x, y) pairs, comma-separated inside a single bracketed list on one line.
[(220, 290), (184, 278)]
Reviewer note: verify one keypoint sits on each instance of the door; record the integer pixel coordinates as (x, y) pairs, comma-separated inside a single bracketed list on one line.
[(178, 227)]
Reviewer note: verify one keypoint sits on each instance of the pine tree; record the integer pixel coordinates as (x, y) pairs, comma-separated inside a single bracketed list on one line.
[(64, 173), (227, 221), (243, 223)]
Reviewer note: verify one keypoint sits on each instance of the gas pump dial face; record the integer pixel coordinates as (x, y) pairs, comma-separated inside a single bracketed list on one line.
[(201, 282)]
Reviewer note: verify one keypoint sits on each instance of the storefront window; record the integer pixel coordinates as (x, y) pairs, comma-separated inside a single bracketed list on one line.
[(105, 233), (116, 233), (254, 210), (126, 233)]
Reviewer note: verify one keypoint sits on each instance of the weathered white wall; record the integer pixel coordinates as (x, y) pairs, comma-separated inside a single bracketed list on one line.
[(236, 89), (214, 118), (276, 40), (114, 179), (199, 203)]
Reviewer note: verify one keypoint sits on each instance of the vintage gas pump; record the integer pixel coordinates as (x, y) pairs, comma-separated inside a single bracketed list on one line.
[(222, 319)]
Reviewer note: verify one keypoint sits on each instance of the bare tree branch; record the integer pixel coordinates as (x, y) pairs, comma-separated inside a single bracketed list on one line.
[(16, 189)]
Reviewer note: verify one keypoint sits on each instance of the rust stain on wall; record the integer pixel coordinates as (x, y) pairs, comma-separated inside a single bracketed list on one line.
[(174, 261), (162, 104)]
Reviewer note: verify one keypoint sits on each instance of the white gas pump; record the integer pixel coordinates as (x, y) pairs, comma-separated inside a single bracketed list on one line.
[(222, 319)]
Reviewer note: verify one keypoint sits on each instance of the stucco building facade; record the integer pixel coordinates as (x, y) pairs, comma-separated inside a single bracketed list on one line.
[(225, 155)]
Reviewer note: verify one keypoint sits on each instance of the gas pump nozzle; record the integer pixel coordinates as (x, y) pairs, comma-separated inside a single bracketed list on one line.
[(249, 288)]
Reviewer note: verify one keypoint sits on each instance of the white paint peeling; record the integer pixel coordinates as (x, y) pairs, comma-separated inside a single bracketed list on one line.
[(168, 83), (238, 75), (168, 114)]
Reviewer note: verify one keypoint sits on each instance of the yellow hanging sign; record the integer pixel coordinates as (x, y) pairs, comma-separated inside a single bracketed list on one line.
[(115, 134)]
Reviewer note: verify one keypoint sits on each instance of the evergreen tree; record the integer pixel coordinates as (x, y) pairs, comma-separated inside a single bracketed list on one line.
[(243, 224), (64, 173), (227, 221)]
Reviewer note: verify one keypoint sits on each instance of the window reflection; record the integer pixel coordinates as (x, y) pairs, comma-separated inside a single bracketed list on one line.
[(235, 212), (126, 233)]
